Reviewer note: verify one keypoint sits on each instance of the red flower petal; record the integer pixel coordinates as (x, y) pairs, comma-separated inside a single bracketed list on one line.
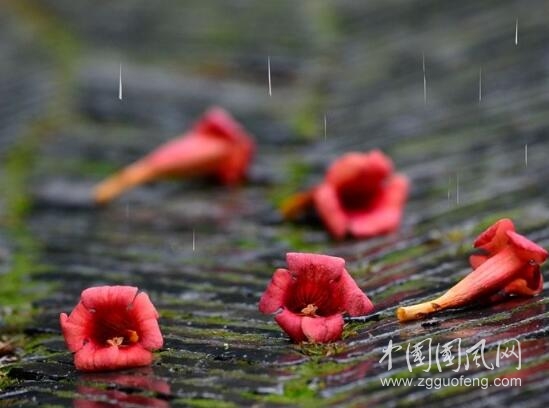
[(92, 358), (530, 282), (476, 260), (217, 122), (322, 329), (147, 318), (75, 327), (495, 237), (385, 213), (273, 298), (291, 324), (354, 301), (330, 211), (108, 297), (316, 267), (527, 249), (368, 169)]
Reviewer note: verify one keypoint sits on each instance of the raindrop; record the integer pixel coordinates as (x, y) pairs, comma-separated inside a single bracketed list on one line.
[(516, 32), (424, 80), (120, 83), (480, 85), (269, 73)]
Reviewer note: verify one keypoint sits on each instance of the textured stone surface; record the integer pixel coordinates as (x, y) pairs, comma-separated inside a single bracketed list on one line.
[(358, 63)]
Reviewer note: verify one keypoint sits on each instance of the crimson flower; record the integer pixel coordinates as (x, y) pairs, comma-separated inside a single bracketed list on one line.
[(310, 297), (216, 146), (360, 195), (112, 327), (508, 265)]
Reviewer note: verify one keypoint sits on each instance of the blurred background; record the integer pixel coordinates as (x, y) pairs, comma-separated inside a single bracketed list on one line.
[(456, 93)]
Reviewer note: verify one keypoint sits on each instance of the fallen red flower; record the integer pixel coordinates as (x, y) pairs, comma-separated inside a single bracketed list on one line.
[(112, 327), (360, 195), (311, 296), (494, 240), (509, 265), (216, 146)]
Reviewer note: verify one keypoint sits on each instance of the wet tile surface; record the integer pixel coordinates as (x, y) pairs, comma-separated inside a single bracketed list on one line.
[(360, 64)]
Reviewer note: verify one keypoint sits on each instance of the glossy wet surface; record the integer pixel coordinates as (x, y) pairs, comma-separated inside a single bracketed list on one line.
[(358, 63)]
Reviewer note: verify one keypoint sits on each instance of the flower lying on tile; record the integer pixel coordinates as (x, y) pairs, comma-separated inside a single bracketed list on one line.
[(360, 195), (216, 146), (508, 265), (310, 297), (112, 327)]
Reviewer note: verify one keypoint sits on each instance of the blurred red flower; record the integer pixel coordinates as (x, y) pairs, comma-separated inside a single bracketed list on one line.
[(216, 146), (508, 265), (360, 195), (112, 327), (310, 297)]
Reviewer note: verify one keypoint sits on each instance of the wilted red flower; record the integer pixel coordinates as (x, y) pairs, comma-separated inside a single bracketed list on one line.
[(112, 327), (216, 146), (310, 297), (360, 195), (510, 265)]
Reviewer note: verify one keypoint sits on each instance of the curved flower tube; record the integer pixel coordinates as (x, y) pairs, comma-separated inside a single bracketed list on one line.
[(509, 265), (216, 146)]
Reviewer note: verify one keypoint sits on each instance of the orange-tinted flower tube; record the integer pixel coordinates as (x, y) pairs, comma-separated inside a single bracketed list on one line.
[(216, 146), (510, 265)]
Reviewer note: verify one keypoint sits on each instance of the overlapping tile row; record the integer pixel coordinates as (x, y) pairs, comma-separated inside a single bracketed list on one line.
[(218, 347)]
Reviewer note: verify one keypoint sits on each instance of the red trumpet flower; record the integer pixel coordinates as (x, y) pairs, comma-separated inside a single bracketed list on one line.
[(216, 146), (310, 297), (510, 265), (360, 195), (112, 327)]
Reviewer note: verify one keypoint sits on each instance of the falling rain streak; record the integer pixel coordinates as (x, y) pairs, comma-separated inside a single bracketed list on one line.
[(194, 241), (450, 189), (120, 83), (449, 192), (480, 85), (516, 32), (457, 189), (424, 80), (526, 155), (269, 73), (325, 126)]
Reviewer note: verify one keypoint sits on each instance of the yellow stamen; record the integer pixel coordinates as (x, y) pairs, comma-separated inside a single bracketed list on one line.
[(309, 310), (133, 337)]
